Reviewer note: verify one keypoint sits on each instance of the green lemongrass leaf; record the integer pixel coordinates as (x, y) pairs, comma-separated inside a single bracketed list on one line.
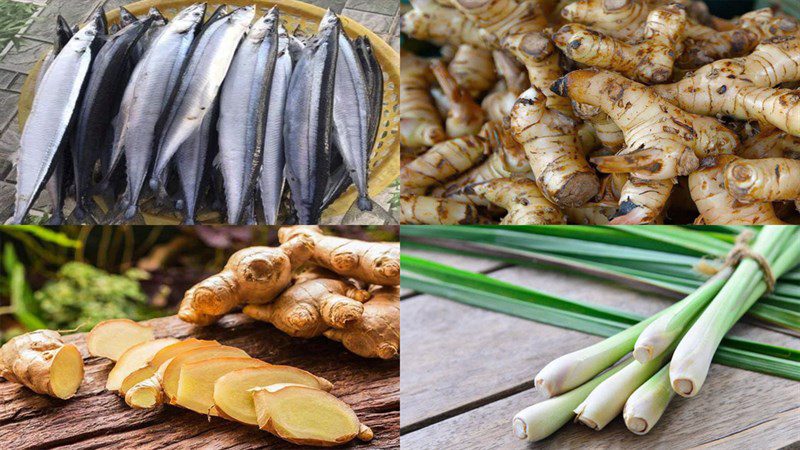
[(682, 237), (608, 235), (764, 310), (427, 277)]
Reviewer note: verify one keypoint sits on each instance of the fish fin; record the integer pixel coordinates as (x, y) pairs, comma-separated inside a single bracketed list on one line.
[(364, 203)]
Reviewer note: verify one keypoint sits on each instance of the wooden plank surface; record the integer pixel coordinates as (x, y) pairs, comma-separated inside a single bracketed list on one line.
[(467, 371), (96, 418)]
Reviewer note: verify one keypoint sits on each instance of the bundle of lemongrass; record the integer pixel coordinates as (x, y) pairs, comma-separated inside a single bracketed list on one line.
[(672, 350), (669, 259)]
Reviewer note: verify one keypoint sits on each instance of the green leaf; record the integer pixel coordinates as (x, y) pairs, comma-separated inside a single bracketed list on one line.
[(20, 293), (485, 292), (48, 235)]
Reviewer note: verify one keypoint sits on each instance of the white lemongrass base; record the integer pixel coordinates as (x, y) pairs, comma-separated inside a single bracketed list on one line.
[(646, 405)]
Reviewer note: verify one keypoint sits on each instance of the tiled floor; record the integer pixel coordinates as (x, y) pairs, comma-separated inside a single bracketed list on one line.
[(381, 16)]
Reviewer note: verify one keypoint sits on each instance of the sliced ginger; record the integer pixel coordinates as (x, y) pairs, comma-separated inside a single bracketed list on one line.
[(172, 372), (111, 338), (662, 141), (370, 262), (232, 396), (307, 416), (40, 361), (134, 359), (197, 379), (251, 275)]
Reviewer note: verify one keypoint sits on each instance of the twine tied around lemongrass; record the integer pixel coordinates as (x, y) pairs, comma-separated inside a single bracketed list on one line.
[(741, 250)]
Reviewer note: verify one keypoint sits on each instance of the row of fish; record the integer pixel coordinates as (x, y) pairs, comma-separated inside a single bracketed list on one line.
[(225, 111)]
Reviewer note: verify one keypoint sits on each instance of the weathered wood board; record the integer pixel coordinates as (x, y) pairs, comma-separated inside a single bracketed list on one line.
[(467, 371), (96, 418)]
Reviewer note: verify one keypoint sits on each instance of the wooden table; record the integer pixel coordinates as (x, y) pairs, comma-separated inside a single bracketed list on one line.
[(96, 418), (466, 372)]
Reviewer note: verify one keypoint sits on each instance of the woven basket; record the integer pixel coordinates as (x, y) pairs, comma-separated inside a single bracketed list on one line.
[(385, 162)]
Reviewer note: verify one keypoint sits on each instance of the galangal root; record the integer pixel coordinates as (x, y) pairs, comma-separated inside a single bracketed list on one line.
[(641, 90)]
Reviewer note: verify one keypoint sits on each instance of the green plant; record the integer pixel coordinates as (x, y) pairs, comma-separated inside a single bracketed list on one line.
[(13, 16)]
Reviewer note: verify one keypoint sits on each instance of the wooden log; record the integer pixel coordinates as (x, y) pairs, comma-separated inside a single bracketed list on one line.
[(96, 418)]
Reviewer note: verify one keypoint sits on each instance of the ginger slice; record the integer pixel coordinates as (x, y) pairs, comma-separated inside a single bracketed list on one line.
[(232, 396), (111, 338), (178, 348), (172, 372), (136, 377), (197, 379), (134, 359), (307, 416), (40, 361)]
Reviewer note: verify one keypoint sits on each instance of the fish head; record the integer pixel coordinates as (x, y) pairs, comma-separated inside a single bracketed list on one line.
[(126, 17), (189, 18), (158, 18), (330, 21), (283, 38), (243, 16), (85, 36), (63, 34), (264, 26)]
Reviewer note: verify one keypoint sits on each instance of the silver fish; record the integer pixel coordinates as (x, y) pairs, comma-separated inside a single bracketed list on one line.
[(108, 77), (51, 114), (272, 168), (350, 117), (143, 103), (191, 162), (244, 101), (200, 83), (308, 121)]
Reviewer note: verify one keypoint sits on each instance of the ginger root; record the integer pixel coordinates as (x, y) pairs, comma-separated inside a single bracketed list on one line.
[(307, 416), (763, 180), (772, 143), (318, 300), (429, 21), (442, 162), (717, 206), (743, 87), (541, 59), (370, 262), (377, 333), (427, 210), (111, 338), (521, 197), (648, 59), (498, 19), (662, 141), (251, 275), (40, 361), (550, 139), (420, 123), (642, 201), (464, 116), (473, 69)]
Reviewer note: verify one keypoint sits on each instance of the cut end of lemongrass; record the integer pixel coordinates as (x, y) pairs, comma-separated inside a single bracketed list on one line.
[(684, 387), (520, 429), (643, 354), (637, 425), (542, 384), (588, 422)]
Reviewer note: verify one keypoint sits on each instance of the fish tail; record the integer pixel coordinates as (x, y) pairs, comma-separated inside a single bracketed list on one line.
[(130, 212), (364, 203)]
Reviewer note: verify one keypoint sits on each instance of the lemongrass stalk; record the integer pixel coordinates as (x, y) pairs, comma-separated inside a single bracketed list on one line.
[(663, 331), (574, 369), (646, 405), (538, 421), (606, 401), (693, 354)]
